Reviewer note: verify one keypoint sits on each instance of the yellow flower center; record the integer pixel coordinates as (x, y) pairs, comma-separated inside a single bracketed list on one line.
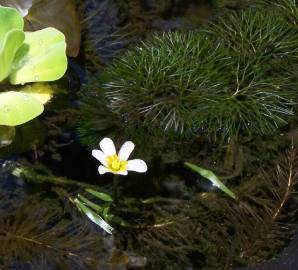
[(116, 165)]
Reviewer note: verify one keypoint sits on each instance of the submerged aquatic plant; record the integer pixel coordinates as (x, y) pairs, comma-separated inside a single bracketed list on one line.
[(212, 232), (160, 84), (234, 77), (26, 57), (117, 164), (288, 8), (39, 235), (256, 40)]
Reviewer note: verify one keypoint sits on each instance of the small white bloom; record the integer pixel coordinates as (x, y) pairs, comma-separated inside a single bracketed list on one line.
[(117, 164)]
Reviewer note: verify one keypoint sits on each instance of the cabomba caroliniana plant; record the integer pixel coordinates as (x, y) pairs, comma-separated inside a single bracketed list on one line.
[(235, 76), (27, 57)]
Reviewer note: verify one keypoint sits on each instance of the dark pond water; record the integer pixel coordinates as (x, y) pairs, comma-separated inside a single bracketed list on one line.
[(169, 217)]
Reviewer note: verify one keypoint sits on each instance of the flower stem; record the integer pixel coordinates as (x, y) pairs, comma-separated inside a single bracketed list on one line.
[(115, 188)]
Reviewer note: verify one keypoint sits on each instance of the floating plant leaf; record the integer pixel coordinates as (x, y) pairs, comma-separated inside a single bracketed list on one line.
[(11, 38), (60, 14), (94, 217), (11, 43), (41, 91), (17, 108), (7, 135), (27, 57), (102, 196), (212, 177), (45, 60), (9, 19)]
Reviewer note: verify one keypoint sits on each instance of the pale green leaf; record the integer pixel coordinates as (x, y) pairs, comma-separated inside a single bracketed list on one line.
[(212, 177), (11, 42), (60, 14), (9, 19), (44, 60), (41, 91), (18, 108)]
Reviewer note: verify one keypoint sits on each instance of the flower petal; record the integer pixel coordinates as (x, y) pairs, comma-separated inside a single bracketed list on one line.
[(126, 150), (137, 165), (99, 155), (107, 146), (103, 170), (121, 172)]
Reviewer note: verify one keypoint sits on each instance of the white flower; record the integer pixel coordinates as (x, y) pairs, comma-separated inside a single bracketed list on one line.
[(117, 164)]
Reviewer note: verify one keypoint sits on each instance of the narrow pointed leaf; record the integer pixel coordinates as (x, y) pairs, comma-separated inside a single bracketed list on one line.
[(90, 204), (102, 196), (105, 213), (120, 221), (94, 217), (212, 177)]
